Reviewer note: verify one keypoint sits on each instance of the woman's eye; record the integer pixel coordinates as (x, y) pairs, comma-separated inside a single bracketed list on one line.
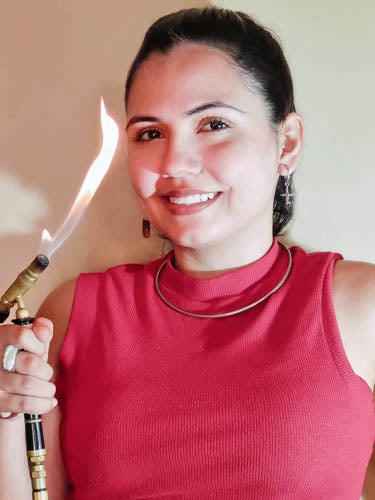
[(215, 124), (147, 135)]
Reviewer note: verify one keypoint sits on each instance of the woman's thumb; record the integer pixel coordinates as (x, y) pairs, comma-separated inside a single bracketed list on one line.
[(43, 330)]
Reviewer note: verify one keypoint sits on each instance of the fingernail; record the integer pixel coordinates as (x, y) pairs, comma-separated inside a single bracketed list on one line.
[(46, 334), (54, 402)]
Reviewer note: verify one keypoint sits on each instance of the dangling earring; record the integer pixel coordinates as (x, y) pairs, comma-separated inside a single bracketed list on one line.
[(146, 228), (287, 194)]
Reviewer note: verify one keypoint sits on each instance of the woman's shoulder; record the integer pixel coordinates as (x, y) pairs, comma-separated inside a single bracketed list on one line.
[(353, 293), (57, 307), (354, 286)]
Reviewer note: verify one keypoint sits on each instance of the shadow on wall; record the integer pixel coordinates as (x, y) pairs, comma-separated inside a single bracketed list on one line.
[(22, 206)]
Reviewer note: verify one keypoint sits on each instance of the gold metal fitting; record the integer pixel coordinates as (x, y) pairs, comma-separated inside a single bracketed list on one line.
[(35, 474), (36, 453), (24, 281), (40, 495), (39, 483), (38, 474), (37, 460)]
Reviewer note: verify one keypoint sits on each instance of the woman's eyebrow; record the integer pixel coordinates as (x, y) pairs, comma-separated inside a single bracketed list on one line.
[(213, 104), (198, 109)]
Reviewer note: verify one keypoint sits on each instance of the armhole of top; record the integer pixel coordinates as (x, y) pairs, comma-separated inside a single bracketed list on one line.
[(332, 331), (86, 286)]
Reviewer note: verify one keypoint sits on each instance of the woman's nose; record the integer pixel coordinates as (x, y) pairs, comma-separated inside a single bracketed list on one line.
[(180, 160)]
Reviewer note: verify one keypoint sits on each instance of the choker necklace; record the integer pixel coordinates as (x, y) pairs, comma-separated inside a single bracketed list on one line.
[(230, 313)]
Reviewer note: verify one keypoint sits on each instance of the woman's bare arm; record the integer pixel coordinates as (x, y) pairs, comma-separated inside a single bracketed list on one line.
[(57, 307), (354, 302)]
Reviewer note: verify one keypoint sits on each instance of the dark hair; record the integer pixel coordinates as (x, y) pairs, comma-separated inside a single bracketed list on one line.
[(253, 50)]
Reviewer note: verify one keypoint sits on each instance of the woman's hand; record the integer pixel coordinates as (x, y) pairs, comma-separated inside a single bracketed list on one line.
[(27, 390)]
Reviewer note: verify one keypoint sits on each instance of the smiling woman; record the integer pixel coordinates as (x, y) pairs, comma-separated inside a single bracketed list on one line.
[(207, 135), (227, 369)]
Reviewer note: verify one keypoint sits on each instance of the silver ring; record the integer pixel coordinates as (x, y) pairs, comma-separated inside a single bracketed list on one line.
[(9, 358)]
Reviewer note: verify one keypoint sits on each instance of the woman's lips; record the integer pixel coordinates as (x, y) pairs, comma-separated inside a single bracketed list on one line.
[(188, 209)]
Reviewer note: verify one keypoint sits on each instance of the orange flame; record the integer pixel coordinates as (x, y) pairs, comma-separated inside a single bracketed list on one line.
[(91, 183)]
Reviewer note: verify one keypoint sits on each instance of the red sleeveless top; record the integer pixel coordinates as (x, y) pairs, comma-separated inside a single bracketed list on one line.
[(262, 405)]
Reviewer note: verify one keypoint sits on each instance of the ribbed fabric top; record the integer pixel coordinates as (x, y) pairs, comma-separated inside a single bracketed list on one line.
[(261, 405)]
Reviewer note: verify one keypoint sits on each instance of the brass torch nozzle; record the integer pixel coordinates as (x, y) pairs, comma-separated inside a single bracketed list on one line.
[(21, 285)]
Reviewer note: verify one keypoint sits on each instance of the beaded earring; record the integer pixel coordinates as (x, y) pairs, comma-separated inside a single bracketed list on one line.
[(146, 228)]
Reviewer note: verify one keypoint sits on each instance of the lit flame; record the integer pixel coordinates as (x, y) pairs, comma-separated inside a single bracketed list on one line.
[(93, 178)]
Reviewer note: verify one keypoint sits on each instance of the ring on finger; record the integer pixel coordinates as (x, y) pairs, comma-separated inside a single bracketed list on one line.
[(9, 358)]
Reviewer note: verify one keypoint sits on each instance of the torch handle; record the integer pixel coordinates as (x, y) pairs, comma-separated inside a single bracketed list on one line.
[(3, 316), (36, 451)]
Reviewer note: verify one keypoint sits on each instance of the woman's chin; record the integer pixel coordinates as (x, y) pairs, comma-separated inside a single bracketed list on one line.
[(196, 239)]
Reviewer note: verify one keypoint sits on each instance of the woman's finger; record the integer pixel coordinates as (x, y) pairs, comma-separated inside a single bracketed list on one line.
[(15, 403), (26, 385), (28, 363), (23, 338), (43, 330)]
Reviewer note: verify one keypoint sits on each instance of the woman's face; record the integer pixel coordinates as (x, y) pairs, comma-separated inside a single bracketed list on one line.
[(192, 118)]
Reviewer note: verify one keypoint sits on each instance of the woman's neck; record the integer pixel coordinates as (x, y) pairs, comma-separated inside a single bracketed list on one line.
[(209, 262)]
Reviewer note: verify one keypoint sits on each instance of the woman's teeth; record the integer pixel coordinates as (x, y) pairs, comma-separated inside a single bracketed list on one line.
[(190, 200)]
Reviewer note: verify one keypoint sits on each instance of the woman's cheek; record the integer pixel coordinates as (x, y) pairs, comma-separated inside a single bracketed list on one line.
[(228, 161), (143, 180), (220, 155)]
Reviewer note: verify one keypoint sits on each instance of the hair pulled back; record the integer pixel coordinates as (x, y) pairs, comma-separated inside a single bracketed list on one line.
[(253, 50)]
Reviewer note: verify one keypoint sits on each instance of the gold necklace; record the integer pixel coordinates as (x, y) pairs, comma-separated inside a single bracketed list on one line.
[(230, 313)]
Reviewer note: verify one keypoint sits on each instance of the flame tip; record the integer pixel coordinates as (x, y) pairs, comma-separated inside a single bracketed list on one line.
[(46, 235), (102, 105)]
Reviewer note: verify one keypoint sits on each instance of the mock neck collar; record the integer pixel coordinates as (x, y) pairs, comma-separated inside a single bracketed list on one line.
[(237, 287)]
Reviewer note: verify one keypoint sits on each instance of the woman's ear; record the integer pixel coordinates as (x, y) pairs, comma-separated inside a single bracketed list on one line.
[(291, 138)]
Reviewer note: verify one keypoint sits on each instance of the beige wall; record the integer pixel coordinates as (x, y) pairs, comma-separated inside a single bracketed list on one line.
[(59, 57), (330, 47)]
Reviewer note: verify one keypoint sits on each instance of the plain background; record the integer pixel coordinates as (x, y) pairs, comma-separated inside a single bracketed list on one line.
[(59, 57)]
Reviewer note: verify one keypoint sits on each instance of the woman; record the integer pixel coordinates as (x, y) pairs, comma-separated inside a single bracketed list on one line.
[(232, 368)]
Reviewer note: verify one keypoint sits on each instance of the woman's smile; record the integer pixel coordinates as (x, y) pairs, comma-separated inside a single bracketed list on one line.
[(190, 204)]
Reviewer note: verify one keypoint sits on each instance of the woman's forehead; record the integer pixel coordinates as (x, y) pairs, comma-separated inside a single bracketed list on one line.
[(185, 56), (189, 73)]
